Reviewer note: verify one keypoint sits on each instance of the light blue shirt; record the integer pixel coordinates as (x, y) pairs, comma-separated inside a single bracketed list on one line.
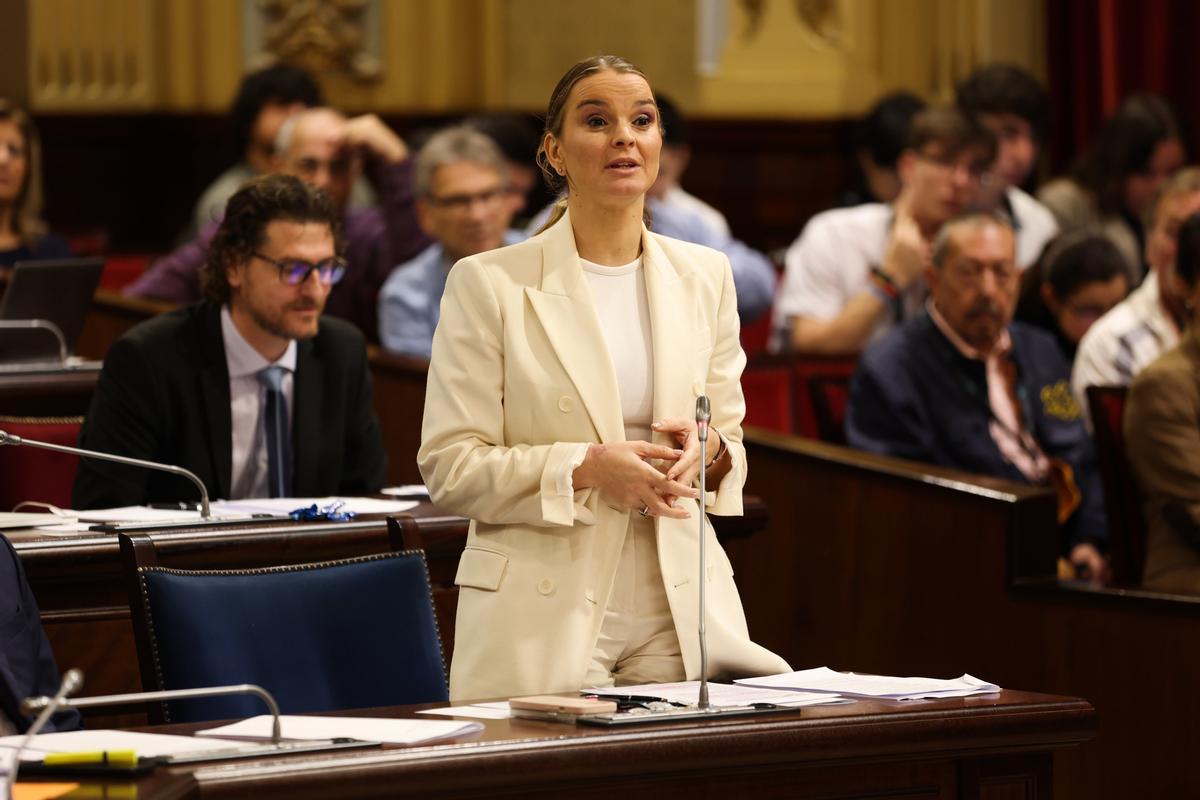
[(410, 303), (754, 276)]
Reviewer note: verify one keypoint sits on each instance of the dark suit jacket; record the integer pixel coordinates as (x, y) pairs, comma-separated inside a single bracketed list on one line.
[(26, 663), (914, 395), (164, 396), (1162, 438)]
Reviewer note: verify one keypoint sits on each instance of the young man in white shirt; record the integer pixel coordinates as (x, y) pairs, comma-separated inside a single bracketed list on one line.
[(856, 272)]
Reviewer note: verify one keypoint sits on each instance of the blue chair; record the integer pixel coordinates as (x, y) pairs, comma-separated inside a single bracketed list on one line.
[(351, 633)]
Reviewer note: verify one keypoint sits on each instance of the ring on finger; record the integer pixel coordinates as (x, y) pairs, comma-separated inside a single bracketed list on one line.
[(645, 512)]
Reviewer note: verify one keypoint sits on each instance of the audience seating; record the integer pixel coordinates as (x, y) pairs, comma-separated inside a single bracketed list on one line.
[(1122, 500), (819, 371), (343, 634), (34, 474), (829, 395)]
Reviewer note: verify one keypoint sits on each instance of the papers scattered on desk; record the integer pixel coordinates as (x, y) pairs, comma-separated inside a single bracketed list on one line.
[(136, 514), (21, 519), (407, 490), (881, 687), (282, 506), (495, 710), (369, 729), (146, 744), (719, 694)]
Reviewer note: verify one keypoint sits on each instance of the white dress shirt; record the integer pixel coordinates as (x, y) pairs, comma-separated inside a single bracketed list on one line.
[(247, 399)]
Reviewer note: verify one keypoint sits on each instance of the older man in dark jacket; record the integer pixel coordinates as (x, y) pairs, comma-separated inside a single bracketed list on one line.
[(963, 386)]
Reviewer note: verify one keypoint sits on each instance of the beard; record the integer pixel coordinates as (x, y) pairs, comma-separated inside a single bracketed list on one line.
[(276, 324)]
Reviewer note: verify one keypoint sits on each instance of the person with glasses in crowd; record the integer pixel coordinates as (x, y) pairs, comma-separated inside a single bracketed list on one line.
[(856, 272), (464, 204), (252, 388), (325, 149)]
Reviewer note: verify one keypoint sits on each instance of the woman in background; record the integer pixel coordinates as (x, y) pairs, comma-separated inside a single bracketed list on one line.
[(560, 418), (1079, 277), (23, 233), (1114, 182)]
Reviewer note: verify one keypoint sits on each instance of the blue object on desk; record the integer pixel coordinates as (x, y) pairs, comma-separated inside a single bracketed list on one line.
[(332, 512)]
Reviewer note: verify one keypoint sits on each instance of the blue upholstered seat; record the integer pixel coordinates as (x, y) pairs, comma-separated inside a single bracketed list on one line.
[(344, 634)]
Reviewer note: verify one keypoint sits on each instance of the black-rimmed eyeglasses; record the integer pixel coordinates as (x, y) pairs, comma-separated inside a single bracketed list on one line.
[(295, 271)]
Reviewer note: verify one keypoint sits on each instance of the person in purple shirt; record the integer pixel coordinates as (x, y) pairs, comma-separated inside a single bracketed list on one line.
[(327, 150)]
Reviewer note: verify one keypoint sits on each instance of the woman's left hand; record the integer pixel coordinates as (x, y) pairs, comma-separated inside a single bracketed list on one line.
[(683, 433)]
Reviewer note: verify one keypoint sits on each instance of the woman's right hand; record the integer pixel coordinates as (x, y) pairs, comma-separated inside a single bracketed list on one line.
[(625, 478)]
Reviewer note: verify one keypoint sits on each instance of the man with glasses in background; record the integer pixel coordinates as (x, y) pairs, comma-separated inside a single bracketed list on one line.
[(461, 186), (251, 388), (854, 273), (326, 150)]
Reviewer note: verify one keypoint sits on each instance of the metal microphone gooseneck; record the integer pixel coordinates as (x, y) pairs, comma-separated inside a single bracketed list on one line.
[(71, 682), (8, 438), (703, 415)]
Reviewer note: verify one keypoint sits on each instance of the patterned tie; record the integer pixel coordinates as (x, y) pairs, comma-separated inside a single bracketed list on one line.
[(278, 438)]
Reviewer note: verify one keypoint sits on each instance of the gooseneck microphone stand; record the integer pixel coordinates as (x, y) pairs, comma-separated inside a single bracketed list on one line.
[(703, 415), (8, 438)]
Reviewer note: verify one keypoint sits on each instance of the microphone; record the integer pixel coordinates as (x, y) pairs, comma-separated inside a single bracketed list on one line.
[(703, 415), (71, 681), (8, 438)]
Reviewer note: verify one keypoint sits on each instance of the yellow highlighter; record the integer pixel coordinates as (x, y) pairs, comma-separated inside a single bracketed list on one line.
[(116, 758)]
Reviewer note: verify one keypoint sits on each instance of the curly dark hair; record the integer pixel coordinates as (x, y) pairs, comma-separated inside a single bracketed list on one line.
[(276, 84), (258, 203), (1006, 89)]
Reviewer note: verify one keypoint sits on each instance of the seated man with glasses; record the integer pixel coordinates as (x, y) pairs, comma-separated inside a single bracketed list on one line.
[(854, 273), (461, 184), (251, 389), (962, 385)]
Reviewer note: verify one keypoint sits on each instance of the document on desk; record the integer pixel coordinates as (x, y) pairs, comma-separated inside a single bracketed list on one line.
[(719, 694), (283, 506), (497, 709), (147, 745), (372, 729), (882, 687)]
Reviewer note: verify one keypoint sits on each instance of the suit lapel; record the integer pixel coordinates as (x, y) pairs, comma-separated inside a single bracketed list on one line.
[(214, 389), (564, 306), (669, 295), (307, 400)]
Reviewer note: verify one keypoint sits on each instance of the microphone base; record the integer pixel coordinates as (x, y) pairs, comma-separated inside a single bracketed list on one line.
[(642, 716)]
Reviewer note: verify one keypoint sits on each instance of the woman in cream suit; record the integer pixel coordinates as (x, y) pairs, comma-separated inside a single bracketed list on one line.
[(560, 419)]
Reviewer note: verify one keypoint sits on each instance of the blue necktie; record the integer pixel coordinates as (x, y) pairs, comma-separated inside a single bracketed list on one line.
[(278, 439)]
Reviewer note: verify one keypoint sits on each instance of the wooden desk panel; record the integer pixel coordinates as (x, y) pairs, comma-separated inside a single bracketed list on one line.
[(985, 747), (881, 565)]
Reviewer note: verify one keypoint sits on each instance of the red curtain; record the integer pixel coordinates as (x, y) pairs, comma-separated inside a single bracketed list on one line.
[(1102, 50)]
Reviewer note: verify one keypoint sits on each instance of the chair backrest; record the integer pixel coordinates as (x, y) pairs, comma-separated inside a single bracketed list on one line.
[(1122, 499), (820, 372), (351, 633), (34, 474), (830, 394)]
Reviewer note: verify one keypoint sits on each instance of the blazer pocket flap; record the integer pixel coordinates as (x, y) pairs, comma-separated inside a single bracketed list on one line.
[(481, 569)]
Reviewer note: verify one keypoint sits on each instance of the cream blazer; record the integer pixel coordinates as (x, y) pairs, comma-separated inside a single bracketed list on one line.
[(520, 372)]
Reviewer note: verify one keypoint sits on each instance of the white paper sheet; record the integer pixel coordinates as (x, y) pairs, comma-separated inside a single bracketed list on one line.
[(407, 490), (371, 729), (496, 710), (135, 514), (144, 744), (824, 679), (719, 694), (285, 505)]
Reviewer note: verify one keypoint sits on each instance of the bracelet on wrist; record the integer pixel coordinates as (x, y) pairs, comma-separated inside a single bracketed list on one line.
[(720, 450)]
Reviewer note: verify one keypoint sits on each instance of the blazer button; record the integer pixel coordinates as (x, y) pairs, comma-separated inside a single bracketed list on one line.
[(566, 404), (545, 586)]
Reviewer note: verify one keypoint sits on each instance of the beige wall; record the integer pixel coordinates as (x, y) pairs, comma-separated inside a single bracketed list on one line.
[(780, 58)]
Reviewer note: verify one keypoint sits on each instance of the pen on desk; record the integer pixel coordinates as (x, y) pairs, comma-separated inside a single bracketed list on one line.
[(115, 758)]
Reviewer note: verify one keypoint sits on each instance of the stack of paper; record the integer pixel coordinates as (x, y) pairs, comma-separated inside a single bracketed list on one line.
[(719, 694), (368, 729), (823, 679), (145, 744)]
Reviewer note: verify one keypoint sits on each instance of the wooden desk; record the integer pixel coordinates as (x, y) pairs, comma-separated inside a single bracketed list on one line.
[(985, 747), (80, 589), (882, 565), (61, 393)]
